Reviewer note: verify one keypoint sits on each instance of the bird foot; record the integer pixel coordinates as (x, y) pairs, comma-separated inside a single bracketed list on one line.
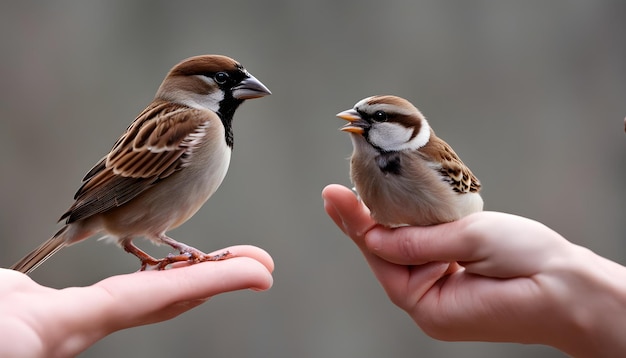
[(192, 257), (187, 254)]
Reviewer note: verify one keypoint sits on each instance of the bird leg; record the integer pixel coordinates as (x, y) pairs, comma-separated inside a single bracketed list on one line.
[(145, 259)]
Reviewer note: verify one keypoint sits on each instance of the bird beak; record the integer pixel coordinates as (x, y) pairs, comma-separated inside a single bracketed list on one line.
[(250, 88), (355, 124)]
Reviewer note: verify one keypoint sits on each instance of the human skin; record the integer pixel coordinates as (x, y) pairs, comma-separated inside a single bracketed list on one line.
[(493, 277), (46, 322)]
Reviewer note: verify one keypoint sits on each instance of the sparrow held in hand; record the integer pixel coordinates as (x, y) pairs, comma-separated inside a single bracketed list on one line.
[(402, 171), (166, 165)]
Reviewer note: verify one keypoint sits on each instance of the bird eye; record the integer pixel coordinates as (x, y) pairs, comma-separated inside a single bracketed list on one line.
[(221, 77), (380, 116)]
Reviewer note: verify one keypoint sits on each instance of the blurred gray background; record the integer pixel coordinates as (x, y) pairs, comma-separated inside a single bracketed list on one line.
[(531, 94)]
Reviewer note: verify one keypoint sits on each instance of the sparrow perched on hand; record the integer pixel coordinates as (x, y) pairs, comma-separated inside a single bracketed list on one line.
[(402, 171), (166, 165)]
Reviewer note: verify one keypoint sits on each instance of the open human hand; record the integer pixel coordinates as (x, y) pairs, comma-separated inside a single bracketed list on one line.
[(47, 322)]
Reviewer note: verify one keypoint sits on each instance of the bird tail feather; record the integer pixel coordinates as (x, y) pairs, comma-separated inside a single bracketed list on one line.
[(36, 257)]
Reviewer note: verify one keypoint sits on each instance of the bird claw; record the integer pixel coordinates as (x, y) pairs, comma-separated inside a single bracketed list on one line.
[(219, 257)]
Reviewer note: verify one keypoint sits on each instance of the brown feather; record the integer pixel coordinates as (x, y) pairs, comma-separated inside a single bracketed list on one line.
[(389, 195), (158, 143), (414, 179), (452, 168), (182, 141), (30, 262)]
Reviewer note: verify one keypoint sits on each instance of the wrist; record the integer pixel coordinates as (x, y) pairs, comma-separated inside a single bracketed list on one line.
[(592, 304)]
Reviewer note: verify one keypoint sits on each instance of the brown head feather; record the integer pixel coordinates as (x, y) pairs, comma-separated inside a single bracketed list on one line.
[(205, 64)]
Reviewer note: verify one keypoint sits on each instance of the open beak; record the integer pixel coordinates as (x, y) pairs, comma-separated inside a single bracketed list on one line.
[(355, 124), (250, 88)]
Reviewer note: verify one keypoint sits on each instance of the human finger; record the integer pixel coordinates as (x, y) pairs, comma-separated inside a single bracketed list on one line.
[(347, 211)]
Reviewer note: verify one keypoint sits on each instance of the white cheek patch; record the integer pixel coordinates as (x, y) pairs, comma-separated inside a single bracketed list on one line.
[(391, 136), (210, 101), (422, 137)]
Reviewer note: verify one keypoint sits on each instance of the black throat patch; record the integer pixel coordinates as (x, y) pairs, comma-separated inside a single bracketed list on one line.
[(389, 162), (226, 112)]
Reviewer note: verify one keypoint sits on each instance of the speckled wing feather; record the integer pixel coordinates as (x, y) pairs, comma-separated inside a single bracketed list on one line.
[(158, 143), (450, 166)]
